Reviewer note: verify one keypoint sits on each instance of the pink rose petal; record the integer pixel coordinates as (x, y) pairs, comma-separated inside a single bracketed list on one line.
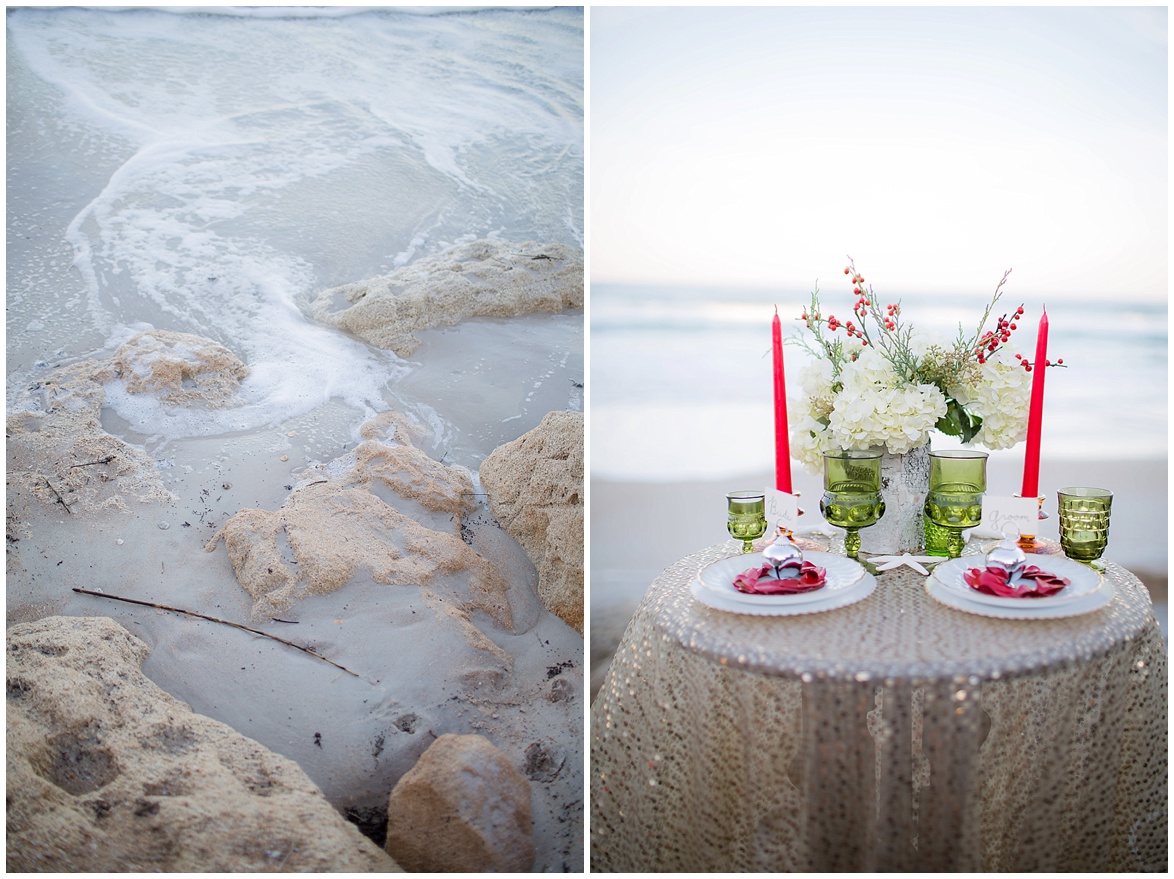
[(757, 582), (995, 581)]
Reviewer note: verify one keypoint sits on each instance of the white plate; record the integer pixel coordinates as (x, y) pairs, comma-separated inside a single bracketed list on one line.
[(1082, 580), (718, 578), (1026, 609), (851, 594)]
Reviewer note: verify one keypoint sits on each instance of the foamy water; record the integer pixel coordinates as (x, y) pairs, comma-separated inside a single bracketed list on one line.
[(681, 379), (209, 172)]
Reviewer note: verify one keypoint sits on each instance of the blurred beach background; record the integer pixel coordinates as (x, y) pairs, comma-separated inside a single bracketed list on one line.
[(739, 156)]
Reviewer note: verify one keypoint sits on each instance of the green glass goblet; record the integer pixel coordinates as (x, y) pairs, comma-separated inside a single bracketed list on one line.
[(851, 497), (746, 517), (957, 482), (1084, 523)]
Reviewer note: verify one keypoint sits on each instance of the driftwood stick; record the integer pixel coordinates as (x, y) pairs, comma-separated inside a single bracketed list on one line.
[(192, 613), (57, 495), (105, 460)]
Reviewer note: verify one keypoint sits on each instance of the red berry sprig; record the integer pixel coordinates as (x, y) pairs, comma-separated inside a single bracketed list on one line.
[(1000, 335), (1026, 364)]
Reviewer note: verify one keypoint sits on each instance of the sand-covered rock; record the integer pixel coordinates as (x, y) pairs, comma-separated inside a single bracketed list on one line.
[(464, 807), (325, 533), (342, 520), (108, 773), (388, 457), (535, 488), (179, 368), (58, 452), (480, 279), (60, 456)]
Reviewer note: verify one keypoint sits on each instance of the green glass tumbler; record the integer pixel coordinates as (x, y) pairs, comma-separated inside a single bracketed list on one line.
[(957, 482), (851, 497), (1084, 523), (937, 538), (746, 517)]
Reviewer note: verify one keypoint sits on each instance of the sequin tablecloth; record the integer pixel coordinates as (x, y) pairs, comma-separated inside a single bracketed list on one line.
[(893, 734)]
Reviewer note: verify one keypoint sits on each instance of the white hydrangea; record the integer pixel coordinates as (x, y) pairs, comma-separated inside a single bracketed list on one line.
[(873, 408), (809, 440), (876, 408), (816, 377), (898, 418), (1001, 398), (809, 436)]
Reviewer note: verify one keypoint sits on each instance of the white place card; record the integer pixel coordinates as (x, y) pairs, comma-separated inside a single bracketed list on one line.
[(1011, 516), (782, 509)]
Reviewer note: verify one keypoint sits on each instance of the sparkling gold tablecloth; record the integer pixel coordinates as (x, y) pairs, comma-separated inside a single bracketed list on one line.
[(893, 734)]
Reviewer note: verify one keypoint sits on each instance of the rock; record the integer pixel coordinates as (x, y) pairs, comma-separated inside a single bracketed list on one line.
[(344, 519), (60, 456), (179, 368), (388, 457), (535, 488), (480, 279), (108, 773), (332, 532), (462, 808)]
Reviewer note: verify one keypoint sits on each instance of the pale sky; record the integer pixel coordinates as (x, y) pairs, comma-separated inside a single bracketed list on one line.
[(938, 146)]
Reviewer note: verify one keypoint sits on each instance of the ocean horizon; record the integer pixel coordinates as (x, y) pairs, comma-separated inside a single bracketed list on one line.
[(681, 377)]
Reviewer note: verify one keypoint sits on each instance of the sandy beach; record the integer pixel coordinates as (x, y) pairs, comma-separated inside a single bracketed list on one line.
[(638, 529), (287, 316)]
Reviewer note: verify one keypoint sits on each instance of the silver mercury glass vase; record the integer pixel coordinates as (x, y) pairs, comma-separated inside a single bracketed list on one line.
[(904, 485)]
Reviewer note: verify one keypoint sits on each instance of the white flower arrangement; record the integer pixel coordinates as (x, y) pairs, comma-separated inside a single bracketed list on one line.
[(894, 388)]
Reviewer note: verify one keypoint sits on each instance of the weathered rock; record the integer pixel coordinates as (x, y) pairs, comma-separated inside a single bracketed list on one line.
[(535, 488), (340, 522), (179, 368), (332, 532), (480, 279), (388, 457), (462, 808), (108, 773), (59, 455)]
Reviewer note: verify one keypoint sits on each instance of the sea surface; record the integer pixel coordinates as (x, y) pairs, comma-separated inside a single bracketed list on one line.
[(211, 171), (681, 379)]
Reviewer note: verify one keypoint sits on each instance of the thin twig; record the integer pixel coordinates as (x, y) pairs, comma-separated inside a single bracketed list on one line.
[(192, 613), (105, 460), (57, 495)]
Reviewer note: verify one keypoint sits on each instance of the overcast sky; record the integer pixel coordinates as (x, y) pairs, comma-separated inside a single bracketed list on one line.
[(938, 146)]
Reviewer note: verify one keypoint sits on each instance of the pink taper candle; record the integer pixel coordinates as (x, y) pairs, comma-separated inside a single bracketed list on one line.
[(1035, 414), (782, 441)]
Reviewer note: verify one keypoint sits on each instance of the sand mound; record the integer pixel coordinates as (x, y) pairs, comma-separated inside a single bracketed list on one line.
[(334, 526), (332, 532), (58, 453), (108, 773), (387, 458), (535, 487), (480, 279), (179, 368)]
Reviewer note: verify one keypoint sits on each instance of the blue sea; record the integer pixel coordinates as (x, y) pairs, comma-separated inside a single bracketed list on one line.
[(681, 379)]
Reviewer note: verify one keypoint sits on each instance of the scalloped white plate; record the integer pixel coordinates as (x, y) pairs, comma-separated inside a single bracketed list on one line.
[(1026, 609), (718, 578), (1082, 580)]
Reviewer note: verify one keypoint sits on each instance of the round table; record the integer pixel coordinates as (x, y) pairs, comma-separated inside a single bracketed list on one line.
[(893, 734)]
